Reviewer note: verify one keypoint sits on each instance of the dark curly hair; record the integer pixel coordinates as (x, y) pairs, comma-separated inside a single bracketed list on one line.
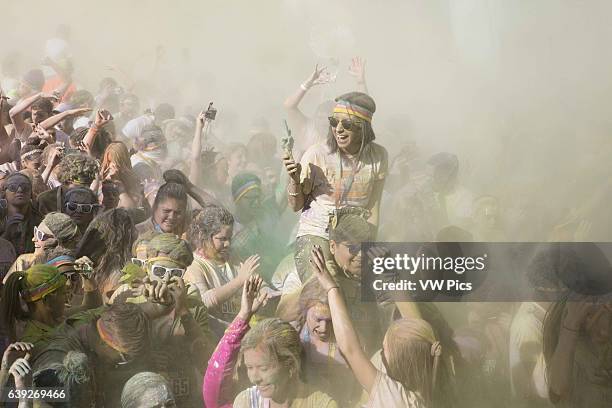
[(207, 223), (77, 167)]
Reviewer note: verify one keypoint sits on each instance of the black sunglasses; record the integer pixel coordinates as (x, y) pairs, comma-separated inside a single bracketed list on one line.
[(14, 187), (347, 124)]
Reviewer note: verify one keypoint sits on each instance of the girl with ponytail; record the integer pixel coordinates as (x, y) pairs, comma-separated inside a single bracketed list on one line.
[(413, 373), (43, 289)]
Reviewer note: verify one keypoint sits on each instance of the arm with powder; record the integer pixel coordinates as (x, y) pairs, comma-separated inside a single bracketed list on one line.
[(296, 117), (217, 387)]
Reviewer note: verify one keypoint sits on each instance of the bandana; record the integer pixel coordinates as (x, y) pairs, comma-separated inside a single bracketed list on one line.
[(64, 263), (353, 110), (36, 293), (30, 153), (108, 338)]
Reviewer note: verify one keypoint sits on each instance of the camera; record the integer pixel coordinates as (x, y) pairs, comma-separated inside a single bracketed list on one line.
[(211, 113)]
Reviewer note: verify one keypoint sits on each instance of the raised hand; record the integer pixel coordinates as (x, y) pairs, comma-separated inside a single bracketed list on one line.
[(177, 290), (13, 351), (43, 134), (201, 119), (293, 169), (357, 69), (102, 118), (319, 76), (156, 291), (319, 269), (248, 267), (252, 297)]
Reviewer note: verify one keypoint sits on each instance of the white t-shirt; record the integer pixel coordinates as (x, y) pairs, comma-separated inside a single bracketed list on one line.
[(526, 333), (388, 393), (320, 184)]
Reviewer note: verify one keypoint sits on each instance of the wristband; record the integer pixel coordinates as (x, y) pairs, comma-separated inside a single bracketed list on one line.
[(304, 87), (333, 287)]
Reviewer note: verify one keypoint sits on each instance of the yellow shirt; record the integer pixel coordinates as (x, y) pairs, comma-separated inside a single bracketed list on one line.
[(306, 397)]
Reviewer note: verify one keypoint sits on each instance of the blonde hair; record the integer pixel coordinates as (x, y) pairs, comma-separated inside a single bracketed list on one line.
[(413, 356), (279, 340), (117, 153)]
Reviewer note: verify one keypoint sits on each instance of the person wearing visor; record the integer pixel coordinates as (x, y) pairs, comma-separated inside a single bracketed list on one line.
[(81, 204), (56, 230), (347, 172), (17, 215)]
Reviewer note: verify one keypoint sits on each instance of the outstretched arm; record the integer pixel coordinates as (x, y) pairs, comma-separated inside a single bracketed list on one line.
[(345, 333), (102, 118), (296, 117), (55, 119), (16, 112), (218, 383), (196, 149)]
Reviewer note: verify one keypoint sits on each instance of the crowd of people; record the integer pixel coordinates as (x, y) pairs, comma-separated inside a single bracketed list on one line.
[(147, 262)]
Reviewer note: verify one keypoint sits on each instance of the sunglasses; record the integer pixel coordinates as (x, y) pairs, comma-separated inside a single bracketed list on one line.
[(138, 261), (347, 124), (40, 235), (161, 271), (14, 187), (354, 249), (81, 208)]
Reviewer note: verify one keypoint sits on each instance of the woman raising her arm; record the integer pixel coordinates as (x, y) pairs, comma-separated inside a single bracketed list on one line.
[(344, 175), (413, 373)]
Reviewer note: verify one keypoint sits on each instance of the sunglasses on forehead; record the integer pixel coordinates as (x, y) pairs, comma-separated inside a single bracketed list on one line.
[(14, 187), (161, 271), (40, 235), (81, 208), (347, 124)]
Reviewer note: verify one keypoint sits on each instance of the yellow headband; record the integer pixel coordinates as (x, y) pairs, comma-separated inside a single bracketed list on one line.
[(353, 110)]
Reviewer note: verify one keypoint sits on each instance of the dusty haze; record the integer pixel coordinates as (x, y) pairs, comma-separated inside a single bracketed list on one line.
[(520, 90)]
